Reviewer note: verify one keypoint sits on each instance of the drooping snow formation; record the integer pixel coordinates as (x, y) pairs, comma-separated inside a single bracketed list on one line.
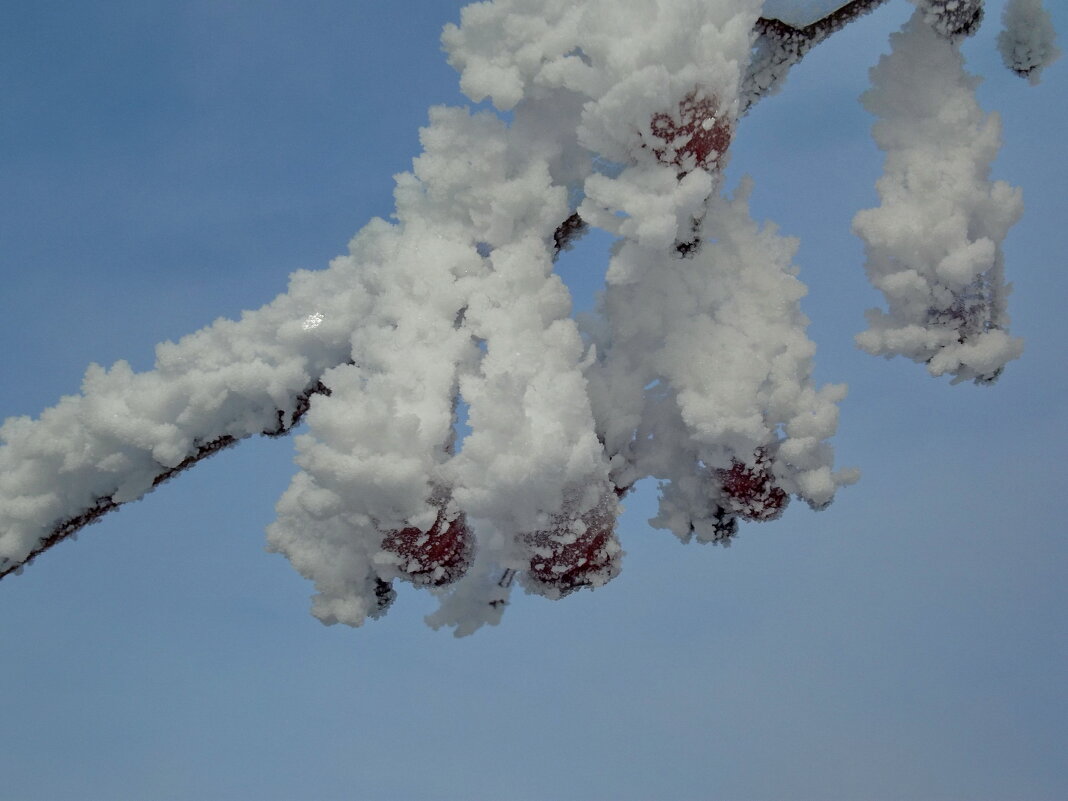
[(695, 369), (1027, 42), (934, 245), (703, 361)]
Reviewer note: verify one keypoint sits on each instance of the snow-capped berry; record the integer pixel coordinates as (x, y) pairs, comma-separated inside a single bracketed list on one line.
[(750, 491), (435, 557), (696, 136), (575, 552)]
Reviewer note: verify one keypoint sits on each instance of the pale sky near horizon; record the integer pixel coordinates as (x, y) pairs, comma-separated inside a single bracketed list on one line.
[(163, 164)]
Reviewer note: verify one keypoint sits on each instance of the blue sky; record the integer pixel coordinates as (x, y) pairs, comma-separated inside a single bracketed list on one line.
[(164, 164)]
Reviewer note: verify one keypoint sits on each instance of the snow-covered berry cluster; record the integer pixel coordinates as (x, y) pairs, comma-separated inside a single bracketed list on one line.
[(695, 370)]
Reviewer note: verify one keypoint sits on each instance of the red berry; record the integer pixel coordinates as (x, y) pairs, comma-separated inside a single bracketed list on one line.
[(697, 136), (568, 557), (750, 491), (436, 557)]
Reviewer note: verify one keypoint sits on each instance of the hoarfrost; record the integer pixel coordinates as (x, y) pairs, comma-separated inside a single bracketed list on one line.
[(951, 19), (1027, 43), (934, 245), (696, 369)]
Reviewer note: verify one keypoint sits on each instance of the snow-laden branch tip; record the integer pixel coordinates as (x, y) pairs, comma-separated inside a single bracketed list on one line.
[(934, 245), (1027, 43)]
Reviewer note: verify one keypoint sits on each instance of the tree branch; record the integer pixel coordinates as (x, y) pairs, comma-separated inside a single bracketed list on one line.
[(71, 526), (819, 30), (780, 45)]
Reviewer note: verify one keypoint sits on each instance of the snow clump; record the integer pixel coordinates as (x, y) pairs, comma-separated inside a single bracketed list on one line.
[(1027, 42), (934, 245)]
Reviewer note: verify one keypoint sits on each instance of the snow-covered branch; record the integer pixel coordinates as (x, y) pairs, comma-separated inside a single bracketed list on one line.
[(779, 46), (127, 433), (695, 370)]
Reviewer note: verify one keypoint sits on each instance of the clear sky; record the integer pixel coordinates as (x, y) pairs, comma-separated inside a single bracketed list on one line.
[(163, 164)]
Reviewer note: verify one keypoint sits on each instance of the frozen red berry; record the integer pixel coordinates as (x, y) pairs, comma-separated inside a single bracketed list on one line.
[(435, 557), (696, 136), (750, 491), (575, 552)]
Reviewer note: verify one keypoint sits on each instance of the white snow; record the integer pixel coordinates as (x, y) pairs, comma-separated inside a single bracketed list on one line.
[(1027, 43), (934, 245), (696, 365)]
